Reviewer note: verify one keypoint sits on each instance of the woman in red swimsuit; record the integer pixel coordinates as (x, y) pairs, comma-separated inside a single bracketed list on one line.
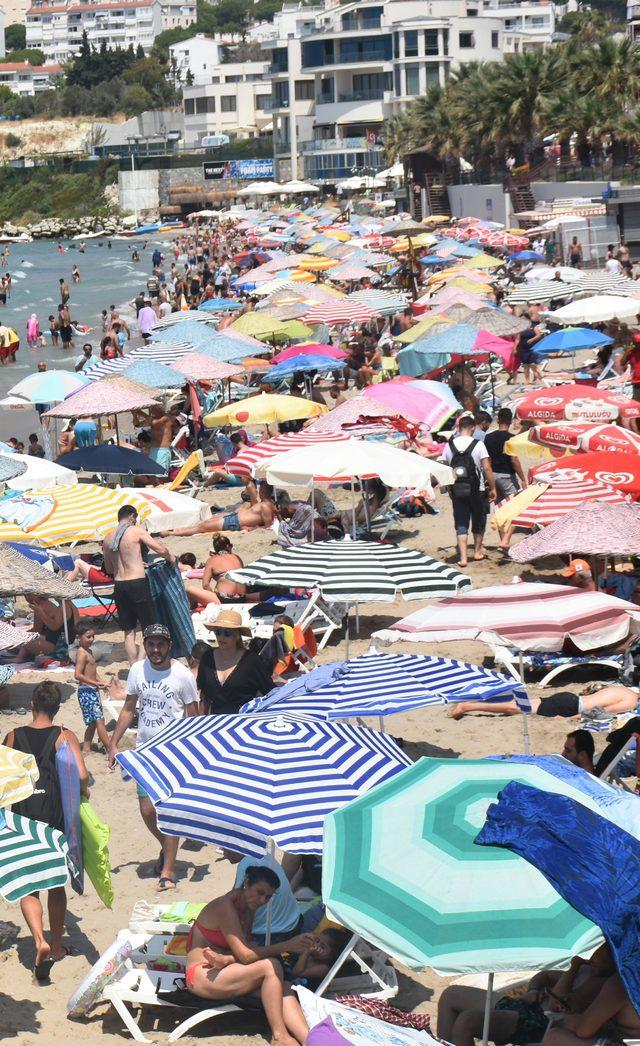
[(222, 964)]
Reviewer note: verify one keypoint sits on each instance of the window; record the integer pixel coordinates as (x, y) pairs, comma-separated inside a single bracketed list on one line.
[(472, 12), (228, 103), (233, 79), (430, 42), (396, 45), (305, 90), (466, 41), (412, 75), (205, 105), (445, 41), (397, 84), (432, 75), (411, 43), (495, 40), (263, 101)]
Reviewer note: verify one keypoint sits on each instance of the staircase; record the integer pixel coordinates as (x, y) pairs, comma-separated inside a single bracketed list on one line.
[(518, 185), (437, 195)]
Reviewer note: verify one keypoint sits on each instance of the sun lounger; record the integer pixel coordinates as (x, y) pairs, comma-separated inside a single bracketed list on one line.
[(555, 664)]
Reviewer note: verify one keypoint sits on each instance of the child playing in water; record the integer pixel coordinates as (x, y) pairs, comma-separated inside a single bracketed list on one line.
[(89, 686)]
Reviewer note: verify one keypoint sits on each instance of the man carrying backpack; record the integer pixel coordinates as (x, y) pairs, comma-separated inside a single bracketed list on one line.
[(474, 486)]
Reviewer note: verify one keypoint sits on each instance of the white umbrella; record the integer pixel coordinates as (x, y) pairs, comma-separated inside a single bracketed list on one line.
[(295, 186), (170, 509), (260, 189), (599, 309), (397, 171), (40, 474), (373, 182), (547, 272)]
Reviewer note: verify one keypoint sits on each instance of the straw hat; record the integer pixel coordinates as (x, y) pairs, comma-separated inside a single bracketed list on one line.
[(229, 619)]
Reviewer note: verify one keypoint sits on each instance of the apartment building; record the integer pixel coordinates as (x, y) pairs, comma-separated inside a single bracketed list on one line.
[(527, 26), (24, 79), (235, 100), (57, 29), (633, 19), (178, 14)]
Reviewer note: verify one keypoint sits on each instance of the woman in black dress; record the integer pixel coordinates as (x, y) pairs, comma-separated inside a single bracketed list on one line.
[(230, 675)]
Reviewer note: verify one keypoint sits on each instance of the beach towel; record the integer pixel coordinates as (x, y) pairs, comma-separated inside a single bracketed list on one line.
[(69, 781), (592, 863), (172, 606)]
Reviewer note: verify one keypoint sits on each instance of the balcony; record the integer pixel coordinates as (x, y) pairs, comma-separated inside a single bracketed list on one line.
[(361, 96), (329, 144)]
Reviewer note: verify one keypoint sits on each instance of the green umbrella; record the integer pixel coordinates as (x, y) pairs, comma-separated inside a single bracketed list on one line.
[(402, 869), (33, 856)]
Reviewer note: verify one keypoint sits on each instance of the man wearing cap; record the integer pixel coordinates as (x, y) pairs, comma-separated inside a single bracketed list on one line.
[(162, 690), (579, 574)]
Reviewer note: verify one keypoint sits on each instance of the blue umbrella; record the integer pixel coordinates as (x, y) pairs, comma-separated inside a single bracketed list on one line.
[(571, 339), (239, 781), (109, 459), (433, 259), (220, 305), (383, 684), (194, 331), (41, 555), (154, 374), (526, 256), (286, 369), (226, 348)]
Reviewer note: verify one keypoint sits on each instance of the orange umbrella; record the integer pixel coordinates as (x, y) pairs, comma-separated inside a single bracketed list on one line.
[(319, 264)]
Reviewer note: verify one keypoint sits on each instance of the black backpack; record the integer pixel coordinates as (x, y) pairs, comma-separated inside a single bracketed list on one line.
[(45, 803), (467, 480)]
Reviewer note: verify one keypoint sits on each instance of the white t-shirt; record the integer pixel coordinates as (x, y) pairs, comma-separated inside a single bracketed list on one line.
[(162, 696), (478, 455), (165, 308), (613, 266)]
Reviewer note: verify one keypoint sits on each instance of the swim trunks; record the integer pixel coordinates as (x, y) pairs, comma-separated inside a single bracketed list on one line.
[(231, 521), (90, 704), (532, 1021), (133, 603), (162, 456), (563, 704)]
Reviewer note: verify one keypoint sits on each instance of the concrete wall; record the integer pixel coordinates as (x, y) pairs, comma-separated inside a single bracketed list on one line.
[(138, 191), (549, 191), (491, 203), (150, 124)]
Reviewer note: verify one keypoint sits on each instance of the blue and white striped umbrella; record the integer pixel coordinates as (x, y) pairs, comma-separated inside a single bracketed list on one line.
[(383, 684), (154, 351), (239, 781)]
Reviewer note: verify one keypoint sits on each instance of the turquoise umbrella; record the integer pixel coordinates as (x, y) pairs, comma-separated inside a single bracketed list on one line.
[(402, 869)]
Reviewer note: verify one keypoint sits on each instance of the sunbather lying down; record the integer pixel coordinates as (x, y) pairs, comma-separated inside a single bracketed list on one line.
[(612, 699), (260, 513)]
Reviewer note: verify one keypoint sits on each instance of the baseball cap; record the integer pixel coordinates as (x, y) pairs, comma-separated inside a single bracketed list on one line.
[(156, 630), (576, 566)]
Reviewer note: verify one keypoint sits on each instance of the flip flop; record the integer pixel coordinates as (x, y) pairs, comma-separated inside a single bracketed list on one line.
[(165, 884), (42, 971), (66, 951)]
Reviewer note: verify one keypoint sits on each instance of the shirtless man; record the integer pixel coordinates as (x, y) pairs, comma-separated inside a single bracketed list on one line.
[(223, 590), (261, 513), (161, 427), (122, 549)]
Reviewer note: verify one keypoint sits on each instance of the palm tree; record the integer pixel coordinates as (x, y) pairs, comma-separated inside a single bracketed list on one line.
[(519, 87)]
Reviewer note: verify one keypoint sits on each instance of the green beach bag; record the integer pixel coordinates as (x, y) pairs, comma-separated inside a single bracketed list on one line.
[(95, 850)]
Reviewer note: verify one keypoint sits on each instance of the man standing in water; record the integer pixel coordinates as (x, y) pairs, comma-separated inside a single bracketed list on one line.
[(123, 549)]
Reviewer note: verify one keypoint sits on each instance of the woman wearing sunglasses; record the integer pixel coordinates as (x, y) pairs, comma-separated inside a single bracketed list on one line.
[(230, 675)]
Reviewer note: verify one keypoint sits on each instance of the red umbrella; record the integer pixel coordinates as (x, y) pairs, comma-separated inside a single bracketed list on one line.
[(620, 471), (339, 312), (587, 437), (564, 493), (314, 348), (244, 463), (575, 403)]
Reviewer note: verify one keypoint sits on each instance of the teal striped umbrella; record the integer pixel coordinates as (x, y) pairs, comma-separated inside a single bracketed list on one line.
[(33, 856), (401, 868)]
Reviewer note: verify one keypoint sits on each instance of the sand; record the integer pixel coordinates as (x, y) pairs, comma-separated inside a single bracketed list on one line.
[(31, 1013)]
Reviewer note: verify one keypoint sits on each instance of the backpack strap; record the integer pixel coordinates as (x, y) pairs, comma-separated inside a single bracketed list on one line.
[(50, 743)]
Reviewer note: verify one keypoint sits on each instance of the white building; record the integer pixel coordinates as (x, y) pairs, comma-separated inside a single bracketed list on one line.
[(199, 56), (525, 26), (370, 59), (633, 19), (24, 79), (178, 14), (235, 101), (57, 29)]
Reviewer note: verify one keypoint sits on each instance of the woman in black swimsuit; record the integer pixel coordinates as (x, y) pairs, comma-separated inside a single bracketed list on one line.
[(48, 622)]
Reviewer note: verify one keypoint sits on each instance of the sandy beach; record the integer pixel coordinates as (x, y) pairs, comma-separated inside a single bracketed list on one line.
[(32, 1013)]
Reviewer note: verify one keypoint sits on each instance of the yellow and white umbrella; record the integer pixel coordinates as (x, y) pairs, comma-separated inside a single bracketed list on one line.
[(18, 775), (84, 512), (264, 409)]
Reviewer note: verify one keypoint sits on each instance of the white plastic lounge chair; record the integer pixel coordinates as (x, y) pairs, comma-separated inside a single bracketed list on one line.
[(509, 659)]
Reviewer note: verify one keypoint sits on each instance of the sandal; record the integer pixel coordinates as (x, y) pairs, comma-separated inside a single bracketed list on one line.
[(166, 883), (42, 972)]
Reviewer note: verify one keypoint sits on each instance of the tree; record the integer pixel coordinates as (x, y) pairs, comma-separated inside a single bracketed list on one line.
[(163, 40), (15, 37), (32, 55), (135, 99)]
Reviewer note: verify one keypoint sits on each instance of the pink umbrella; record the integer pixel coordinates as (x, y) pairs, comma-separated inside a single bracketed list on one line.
[(355, 411), (417, 405), (107, 396), (352, 272), (198, 367), (448, 296), (592, 530), (313, 348)]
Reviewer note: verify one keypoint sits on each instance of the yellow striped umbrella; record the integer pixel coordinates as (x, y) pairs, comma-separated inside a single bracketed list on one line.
[(425, 326), (318, 264), (84, 512), (18, 775)]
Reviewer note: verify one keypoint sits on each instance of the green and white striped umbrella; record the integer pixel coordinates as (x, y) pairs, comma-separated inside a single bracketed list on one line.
[(33, 856), (401, 868)]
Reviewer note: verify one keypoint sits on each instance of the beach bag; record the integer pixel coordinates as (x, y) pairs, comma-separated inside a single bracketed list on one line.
[(95, 852), (467, 481), (69, 781), (630, 671)]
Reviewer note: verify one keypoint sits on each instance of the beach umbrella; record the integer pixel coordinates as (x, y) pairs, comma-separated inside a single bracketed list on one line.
[(11, 637), (429, 325), (309, 348), (356, 459), (19, 774), (587, 437), (84, 512), (12, 466), (33, 857), (590, 530), (354, 572), (354, 413), (304, 363), (264, 409), (198, 367), (551, 497), (165, 353), (155, 375), (108, 459), (526, 256), (351, 271), (385, 684), (108, 396), (575, 403), (243, 781), (220, 305), (294, 329), (243, 464), (50, 386), (188, 332), (598, 309), (36, 473), (606, 283), (572, 339), (259, 326), (23, 575), (492, 320), (169, 509), (339, 313), (544, 291), (620, 471), (385, 303), (227, 348), (401, 868), (528, 616)]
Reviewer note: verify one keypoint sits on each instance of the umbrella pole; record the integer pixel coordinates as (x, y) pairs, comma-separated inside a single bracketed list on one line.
[(267, 935), (353, 508), (117, 431), (525, 728), (346, 633), (487, 1010), (313, 510), (65, 623), (493, 384)]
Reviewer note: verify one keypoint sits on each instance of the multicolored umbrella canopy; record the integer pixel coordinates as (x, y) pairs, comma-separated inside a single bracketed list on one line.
[(384, 684), (528, 616), (33, 856), (18, 775), (401, 868), (428, 402), (355, 571), (590, 530), (83, 512), (309, 348), (239, 781), (339, 313)]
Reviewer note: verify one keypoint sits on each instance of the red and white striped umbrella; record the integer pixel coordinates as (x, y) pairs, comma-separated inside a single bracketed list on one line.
[(556, 498), (527, 616), (620, 471), (575, 403), (612, 439), (337, 313), (244, 463)]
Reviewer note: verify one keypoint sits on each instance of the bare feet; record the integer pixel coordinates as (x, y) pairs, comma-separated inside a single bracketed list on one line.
[(479, 556), (43, 963), (284, 1040), (456, 711)]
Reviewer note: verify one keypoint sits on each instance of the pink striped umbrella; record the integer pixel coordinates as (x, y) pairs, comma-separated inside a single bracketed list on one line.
[(198, 367), (556, 499), (338, 313), (244, 463), (352, 272), (359, 410), (312, 348), (591, 530), (527, 616)]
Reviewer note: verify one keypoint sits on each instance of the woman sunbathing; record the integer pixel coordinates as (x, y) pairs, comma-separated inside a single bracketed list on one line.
[(222, 964)]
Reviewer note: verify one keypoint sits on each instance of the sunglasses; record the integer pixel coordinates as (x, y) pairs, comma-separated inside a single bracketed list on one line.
[(224, 631)]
